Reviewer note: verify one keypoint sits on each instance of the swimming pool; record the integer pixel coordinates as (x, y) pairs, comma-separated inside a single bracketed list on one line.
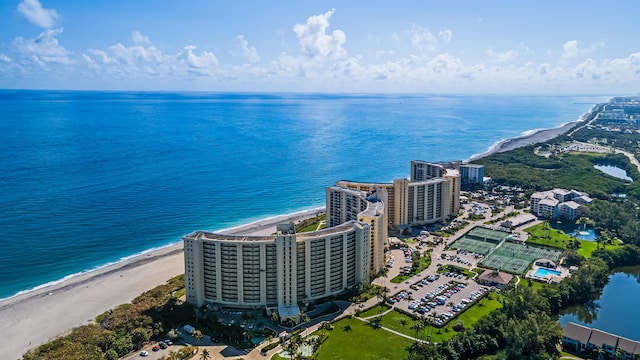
[(542, 272)]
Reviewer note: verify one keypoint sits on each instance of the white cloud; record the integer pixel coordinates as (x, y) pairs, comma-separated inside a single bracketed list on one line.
[(198, 64), (502, 57), (445, 35), (249, 52), (570, 49), (316, 43), (43, 49), (139, 39), (321, 63), (143, 60), (422, 39), (33, 11)]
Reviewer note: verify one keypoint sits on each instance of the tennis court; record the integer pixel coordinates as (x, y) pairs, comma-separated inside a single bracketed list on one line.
[(506, 263), (500, 253), (516, 257), (479, 240)]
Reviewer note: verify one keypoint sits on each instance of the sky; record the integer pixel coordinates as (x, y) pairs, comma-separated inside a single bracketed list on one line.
[(414, 46)]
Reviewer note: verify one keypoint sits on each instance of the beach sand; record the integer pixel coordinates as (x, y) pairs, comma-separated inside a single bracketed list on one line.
[(538, 136), (33, 318)]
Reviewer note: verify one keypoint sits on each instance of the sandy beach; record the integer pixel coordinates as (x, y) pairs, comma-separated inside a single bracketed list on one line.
[(33, 318), (536, 136)]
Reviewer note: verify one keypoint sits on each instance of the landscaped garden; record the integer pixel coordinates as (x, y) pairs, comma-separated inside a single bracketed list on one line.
[(354, 339), (544, 234)]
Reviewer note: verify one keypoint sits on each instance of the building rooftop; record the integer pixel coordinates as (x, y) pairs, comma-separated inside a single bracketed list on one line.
[(600, 338), (577, 332), (629, 346), (207, 235), (496, 277), (571, 204), (549, 202)]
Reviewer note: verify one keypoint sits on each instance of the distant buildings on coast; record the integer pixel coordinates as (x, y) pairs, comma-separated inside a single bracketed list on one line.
[(621, 110), (285, 269)]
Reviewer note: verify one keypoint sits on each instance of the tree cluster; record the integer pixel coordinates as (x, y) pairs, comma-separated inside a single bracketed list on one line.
[(118, 331)]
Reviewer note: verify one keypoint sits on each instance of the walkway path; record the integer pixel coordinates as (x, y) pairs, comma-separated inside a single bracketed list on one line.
[(631, 157), (393, 331)]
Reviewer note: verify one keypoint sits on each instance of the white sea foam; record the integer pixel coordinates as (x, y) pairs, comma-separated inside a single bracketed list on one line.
[(529, 133)]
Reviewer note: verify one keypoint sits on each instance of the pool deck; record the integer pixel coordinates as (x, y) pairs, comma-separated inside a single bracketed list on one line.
[(564, 272)]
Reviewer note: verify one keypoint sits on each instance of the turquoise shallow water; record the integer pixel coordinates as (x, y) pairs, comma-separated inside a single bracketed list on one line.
[(541, 272), (89, 178)]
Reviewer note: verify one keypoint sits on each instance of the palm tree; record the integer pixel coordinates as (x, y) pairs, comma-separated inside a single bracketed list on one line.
[(197, 336), (274, 316), (204, 355), (417, 327), (304, 318)]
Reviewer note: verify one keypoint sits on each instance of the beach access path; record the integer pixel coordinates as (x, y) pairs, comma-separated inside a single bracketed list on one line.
[(31, 319)]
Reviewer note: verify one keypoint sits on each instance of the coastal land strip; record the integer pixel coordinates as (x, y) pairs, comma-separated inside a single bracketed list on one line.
[(34, 317), (539, 136)]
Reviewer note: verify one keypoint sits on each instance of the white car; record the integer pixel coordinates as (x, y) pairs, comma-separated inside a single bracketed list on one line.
[(144, 353)]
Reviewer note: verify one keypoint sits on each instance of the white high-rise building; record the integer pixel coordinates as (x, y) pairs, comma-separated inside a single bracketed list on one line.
[(278, 270)]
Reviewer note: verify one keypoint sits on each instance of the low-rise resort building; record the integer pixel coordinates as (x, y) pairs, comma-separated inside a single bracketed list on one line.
[(582, 339), (556, 203)]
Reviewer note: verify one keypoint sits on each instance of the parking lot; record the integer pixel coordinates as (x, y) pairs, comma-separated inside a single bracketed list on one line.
[(427, 297)]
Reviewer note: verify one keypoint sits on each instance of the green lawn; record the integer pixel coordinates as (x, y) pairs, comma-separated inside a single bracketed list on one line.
[(551, 237), (374, 311), (479, 310), (535, 285), (314, 227), (354, 339), (587, 247)]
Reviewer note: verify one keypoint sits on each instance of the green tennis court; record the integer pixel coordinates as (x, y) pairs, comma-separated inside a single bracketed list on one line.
[(501, 253), (480, 240), (516, 257)]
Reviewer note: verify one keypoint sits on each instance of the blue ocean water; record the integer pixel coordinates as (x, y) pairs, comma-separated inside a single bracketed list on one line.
[(88, 178)]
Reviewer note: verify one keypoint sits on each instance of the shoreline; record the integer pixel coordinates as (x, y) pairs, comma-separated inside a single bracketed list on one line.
[(535, 136), (33, 317)]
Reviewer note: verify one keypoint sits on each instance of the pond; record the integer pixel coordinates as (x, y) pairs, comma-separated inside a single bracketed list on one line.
[(581, 232), (614, 171), (588, 234), (616, 310)]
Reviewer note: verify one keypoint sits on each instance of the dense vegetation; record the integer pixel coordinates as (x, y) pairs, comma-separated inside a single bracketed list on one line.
[(121, 330), (524, 168)]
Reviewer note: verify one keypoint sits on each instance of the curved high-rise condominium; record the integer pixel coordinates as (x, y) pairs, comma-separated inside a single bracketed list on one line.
[(289, 268), (286, 268), (278, 270)]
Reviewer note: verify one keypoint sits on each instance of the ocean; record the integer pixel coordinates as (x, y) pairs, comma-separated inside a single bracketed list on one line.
[(91, 178)]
